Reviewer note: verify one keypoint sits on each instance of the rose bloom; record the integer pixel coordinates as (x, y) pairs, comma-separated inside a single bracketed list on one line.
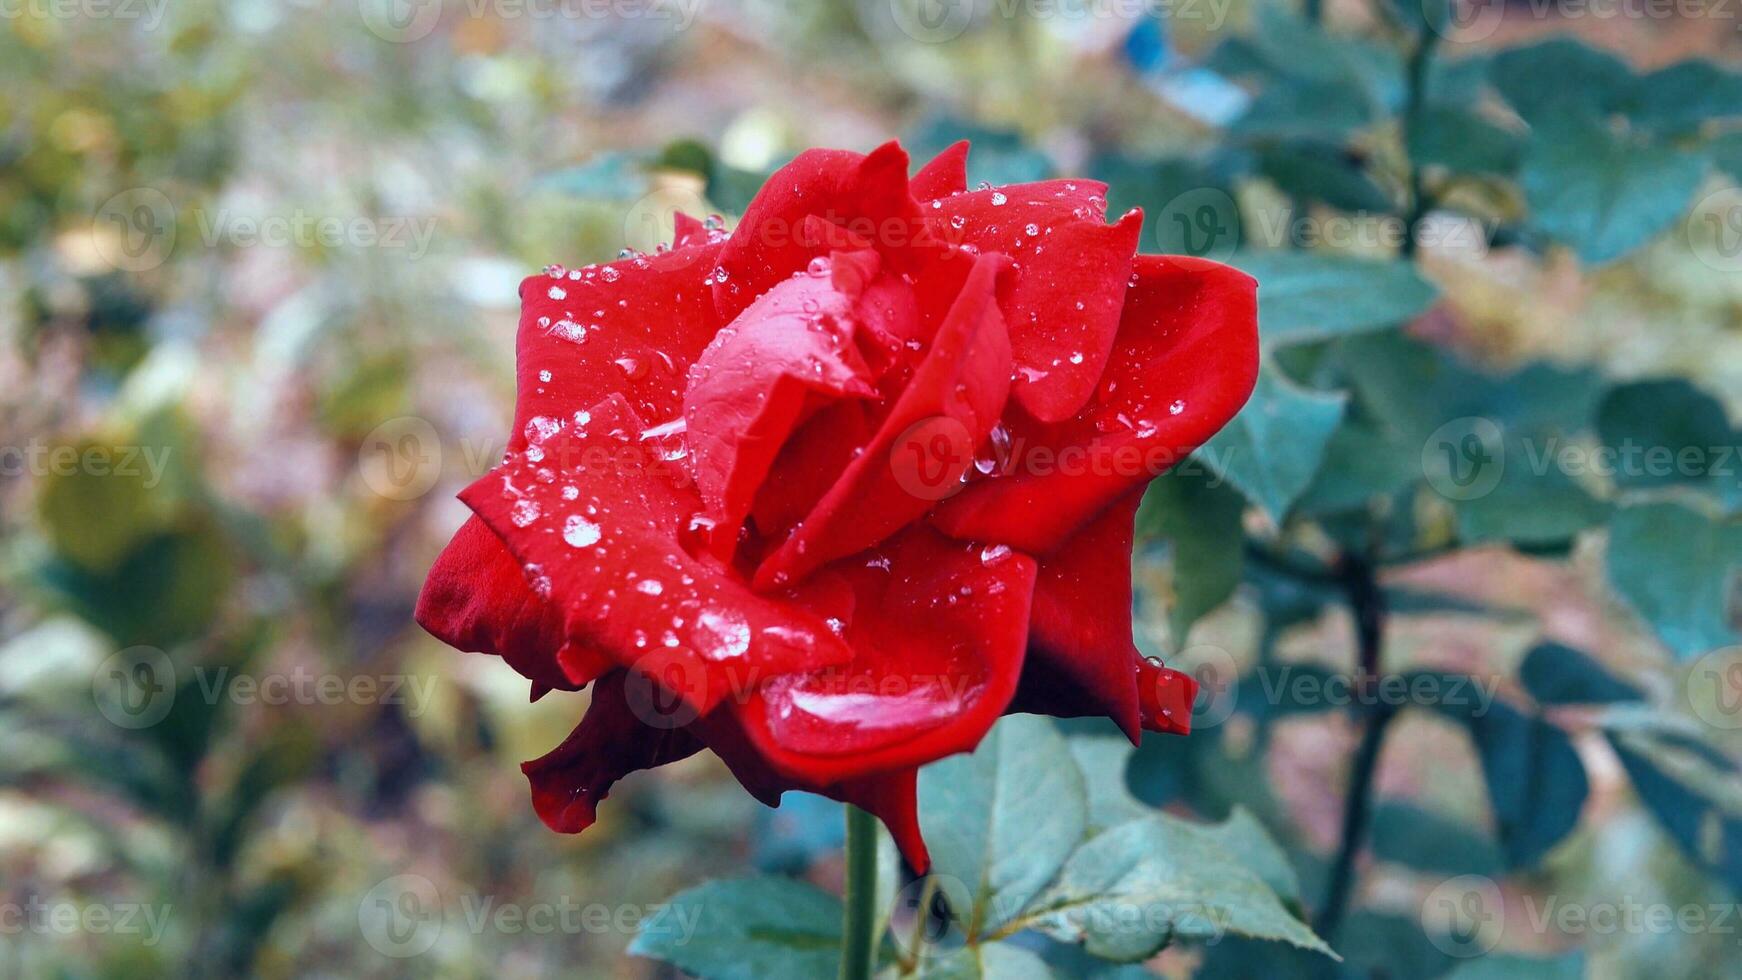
[(829, 494)]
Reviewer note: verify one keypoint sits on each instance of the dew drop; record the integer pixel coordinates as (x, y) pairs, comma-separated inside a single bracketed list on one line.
[(580, 532)]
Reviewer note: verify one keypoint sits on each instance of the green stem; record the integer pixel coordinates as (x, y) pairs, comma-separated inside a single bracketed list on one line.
[(859, 920), (1420, 61), (1367, 600)]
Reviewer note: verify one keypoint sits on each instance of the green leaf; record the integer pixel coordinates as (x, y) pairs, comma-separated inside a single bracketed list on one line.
[(1558, 78), (1103, 759), (1321, 171), (1406, 834), (1599, 193), (1534, 503), (1303, 296), (1558, 674), (1568, 967), (1241, 834), (1200, 521), (1667, 432), (1271, 450), (1462, 141), (1536, 782), (1690, 787), (1363, 460), (1188, 207), (985, 961), (1295, 110), (746, 929), (1678, 569), (1683, 96), (1132, 889), (1004, 818)]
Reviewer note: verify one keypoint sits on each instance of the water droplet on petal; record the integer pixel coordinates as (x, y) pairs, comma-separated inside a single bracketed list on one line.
[(580, 532)]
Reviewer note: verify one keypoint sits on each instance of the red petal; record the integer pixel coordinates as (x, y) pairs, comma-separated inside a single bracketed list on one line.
[(628, 328), (946, 174), (593, 514), (1185, 360), (1081, 660), (687, 230), (922, 446), (785, 357), (476, 599), (864, 192), (938, 632), (1072, 272), (892, 797), (610, 742), (1167, 696)]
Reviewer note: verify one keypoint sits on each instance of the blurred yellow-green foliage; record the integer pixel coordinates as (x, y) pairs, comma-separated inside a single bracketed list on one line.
[(258, 261)]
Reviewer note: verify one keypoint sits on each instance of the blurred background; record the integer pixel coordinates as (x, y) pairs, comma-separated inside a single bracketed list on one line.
[(258, 268)]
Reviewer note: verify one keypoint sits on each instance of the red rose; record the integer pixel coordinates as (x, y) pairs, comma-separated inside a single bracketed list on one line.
[(830, 494)]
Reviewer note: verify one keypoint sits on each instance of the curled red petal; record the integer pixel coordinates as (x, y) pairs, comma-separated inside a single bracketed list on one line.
[(1069, 286), (922, 446), (782, 359), (687, 230), (610, 742), (476, 599), (866, 194), (938, 633), (1185, 360), (596, 518), (946, 174), (1166, 696), (1081, 659)]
